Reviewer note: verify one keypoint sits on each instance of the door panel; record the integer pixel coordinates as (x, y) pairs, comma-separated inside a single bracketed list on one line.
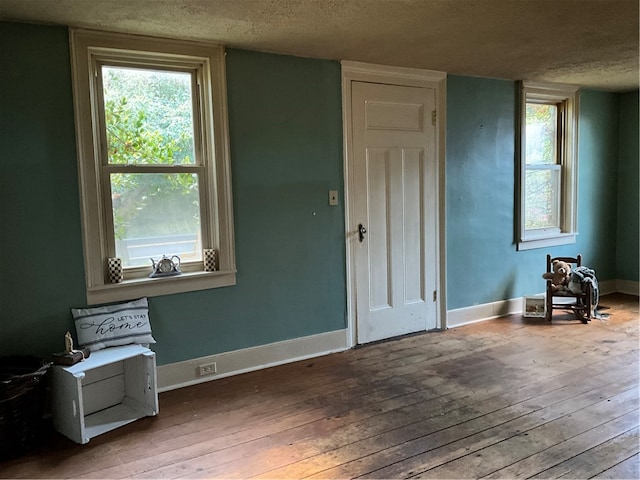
[(413, 226), (394, 198), (377, 180)]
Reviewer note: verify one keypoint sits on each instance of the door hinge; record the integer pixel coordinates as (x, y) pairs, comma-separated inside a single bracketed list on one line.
[(435, 295), (434, 116)]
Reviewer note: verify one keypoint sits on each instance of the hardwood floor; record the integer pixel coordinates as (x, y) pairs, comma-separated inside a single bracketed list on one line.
[(509, 398)]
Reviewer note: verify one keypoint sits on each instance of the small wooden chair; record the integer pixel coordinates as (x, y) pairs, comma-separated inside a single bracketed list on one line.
[(581, 306)]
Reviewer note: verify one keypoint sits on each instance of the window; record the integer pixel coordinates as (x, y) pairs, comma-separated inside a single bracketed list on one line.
[(153, 161), (548, 165)]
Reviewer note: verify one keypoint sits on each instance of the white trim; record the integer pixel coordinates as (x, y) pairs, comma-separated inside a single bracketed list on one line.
[(147, 287), (416, 77), (608, 286), (488, 311), (551, 89), (413, 77), (485, 311), (568, 221), (628, 286), (551, 241), (184, 374), (217, 208)]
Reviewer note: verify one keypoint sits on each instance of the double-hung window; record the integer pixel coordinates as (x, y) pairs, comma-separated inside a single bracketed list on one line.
[(153, 161), (548, 166)]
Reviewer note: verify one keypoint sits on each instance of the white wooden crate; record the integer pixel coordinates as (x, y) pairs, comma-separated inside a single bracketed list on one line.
[(111, 388)]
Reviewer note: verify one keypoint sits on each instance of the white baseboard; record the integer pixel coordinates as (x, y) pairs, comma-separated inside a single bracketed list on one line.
[(620, 286), (488, 311), (627, 286), (607, 286), (183, 374), (485, 311)]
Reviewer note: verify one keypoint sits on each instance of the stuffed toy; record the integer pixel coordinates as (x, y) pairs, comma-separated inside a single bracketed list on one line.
[(560, 276)]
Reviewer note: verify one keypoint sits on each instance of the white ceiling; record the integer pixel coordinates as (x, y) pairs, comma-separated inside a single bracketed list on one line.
[(591, 43)]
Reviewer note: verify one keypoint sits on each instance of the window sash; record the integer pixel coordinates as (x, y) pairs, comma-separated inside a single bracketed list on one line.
[(555, 174), (194, 70), (202, 236), (556, 155)]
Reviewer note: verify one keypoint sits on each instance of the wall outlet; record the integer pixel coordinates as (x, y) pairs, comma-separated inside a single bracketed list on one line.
[(207, 369)]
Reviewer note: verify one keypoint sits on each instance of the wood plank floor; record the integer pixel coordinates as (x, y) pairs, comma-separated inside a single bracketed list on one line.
[(509, 398)]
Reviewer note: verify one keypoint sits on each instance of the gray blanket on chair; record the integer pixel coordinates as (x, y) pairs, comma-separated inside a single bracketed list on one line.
[(579, 280)]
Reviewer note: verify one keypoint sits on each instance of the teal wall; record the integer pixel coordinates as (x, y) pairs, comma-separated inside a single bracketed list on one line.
[(286, 149), (597, 182), (628, 188), (482, 262), (41, 264), (482, 265), (286, 153)]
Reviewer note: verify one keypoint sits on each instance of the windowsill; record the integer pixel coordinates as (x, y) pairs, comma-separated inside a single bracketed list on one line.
[(545, 242), (152, 287)]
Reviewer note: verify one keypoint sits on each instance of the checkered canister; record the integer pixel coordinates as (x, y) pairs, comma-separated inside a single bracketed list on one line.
[(114, 269), (209, 255)]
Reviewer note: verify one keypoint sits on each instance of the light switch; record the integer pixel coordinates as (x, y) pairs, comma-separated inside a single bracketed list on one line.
[(333, 198)]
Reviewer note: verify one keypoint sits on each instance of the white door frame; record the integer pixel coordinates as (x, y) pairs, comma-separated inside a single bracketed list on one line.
[(410, 77)]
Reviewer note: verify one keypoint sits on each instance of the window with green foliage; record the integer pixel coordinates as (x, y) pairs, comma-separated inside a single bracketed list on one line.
[(548, 165), (543, 166), (153, 155), (148, 122)]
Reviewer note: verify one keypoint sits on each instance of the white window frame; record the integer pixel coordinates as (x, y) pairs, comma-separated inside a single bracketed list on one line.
[(88, 49), (567, 149)]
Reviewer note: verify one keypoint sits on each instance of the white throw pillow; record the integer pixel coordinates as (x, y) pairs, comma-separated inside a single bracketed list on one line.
[(113, 325)]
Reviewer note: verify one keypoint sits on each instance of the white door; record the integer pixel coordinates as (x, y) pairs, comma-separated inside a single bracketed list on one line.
[(394, 207)]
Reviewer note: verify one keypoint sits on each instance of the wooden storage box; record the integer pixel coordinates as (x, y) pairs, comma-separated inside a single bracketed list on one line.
[(111, 388)]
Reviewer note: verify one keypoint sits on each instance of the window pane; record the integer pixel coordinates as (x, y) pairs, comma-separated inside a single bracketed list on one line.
[(542, 199), (541, 133), (148, 116), (156, 214)]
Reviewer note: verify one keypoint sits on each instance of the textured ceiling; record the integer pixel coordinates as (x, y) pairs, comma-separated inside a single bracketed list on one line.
[(591, 43)]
